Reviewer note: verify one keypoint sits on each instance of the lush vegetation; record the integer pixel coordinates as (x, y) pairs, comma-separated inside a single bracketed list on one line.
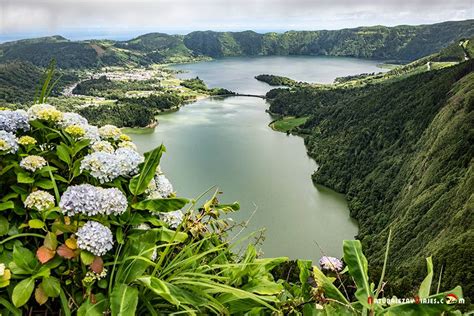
[(405, 43), (274, 80), (198, 85), (401, 150), (19, 81)]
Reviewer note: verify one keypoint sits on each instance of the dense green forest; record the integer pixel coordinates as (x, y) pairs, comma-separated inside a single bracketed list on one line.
[(276, 80), (400, 43), (19, 80), (402, 153)]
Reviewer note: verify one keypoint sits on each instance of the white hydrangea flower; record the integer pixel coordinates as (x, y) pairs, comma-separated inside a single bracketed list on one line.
[(105, 167), (45, 112), (173, 219), (128, 160), (110, 131), (102, 166), (128, 144), (12, 121), (32, 163), (39, 200), (70, 118), (92, 133), (114, 201), (331, 264), (143, 226), (95, 238), (91, 276), (90, 200), (8, 142), (2, 269), (164, 186), (103, 145)]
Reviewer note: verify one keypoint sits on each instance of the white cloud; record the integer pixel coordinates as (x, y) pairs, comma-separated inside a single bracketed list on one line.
[(116, 15)]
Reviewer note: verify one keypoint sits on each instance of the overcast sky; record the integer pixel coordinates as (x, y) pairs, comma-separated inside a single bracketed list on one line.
[(180, 16)]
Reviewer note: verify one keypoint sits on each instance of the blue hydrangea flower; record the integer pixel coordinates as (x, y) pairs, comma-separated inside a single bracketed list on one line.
[(95, 238), (70, 118), (12, 121), (163, 185), (90, 200)]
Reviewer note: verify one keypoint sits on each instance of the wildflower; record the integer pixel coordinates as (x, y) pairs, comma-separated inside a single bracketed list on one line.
[(32, 163), (103, 145), (90, 200), (12, 121), (8, 142), (173, 219), (75, 131), (72, 119), (125, 138), (45, 112), (39, 200), (110, 131), (26, 140), (164, 186), (95, 237), (331, 264), (127, 144)]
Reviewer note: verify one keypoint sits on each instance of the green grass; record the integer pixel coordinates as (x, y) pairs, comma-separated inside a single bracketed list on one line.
[(288, 123)]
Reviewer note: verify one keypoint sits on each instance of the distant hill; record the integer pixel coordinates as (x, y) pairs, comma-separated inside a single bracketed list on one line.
[(400, 43)]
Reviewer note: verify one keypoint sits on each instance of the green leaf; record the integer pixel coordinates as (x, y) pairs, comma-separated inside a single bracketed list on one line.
[(86, 257), (358, 269), (51, 286), (78, 146), (22, 177), (426, 284), (123, 300), (44, 184), (35, 223), (305, 272), (9, 306), (139, 183), (50, 241), (22, 292), (97, 309), (161, 205), (329, 289), (7, 205), (263, 287), (24, 258), (159, 287), (4, 225), (63, 153)]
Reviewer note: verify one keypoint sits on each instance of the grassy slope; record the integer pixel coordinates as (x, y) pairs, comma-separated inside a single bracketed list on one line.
[(288, 123), (402, 152)]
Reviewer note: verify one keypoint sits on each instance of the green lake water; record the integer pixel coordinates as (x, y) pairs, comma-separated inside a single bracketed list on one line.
[(227, 142)]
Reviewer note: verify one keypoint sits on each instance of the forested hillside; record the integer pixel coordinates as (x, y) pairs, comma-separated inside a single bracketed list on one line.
[(402, 152), (400, 43)]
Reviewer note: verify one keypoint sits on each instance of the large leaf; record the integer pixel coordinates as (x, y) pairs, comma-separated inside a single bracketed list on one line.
[(426, 284), (24, 259), (22, 292), (263, 287), (139, 183), (123, 300), (161, 205), (329, 289), (159, 287), (305, 272), (358, 269), (89, 309)]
